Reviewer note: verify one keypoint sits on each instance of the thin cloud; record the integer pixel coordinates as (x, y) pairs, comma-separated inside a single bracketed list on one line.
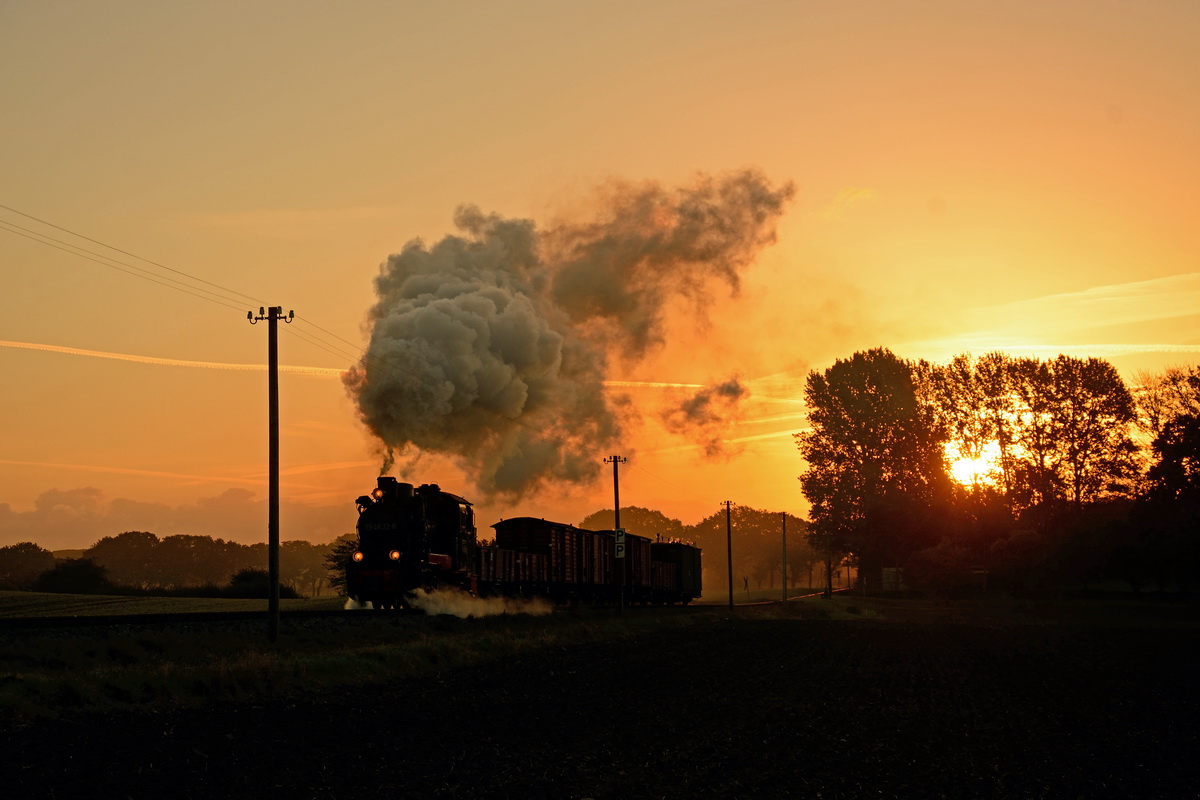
[(146, 473), (1115, 304), (321, 372), (276, 221), (329, 372), (252, 479), (846, 200)]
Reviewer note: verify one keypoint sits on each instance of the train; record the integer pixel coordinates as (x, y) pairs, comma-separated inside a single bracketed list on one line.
[(414, 538)]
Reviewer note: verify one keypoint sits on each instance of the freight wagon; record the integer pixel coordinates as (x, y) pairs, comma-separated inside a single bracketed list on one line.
[(413, 538)]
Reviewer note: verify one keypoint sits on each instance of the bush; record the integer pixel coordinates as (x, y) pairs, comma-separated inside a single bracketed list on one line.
[(74, 576), (946, 565), (254, 584)]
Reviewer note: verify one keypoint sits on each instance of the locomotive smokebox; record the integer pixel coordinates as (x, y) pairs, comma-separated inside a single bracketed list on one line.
[(392, 489)]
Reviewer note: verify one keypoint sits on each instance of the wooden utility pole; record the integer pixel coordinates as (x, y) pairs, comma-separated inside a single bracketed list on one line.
[(783, 563), (616, 461), (272, 315), (729, 549)]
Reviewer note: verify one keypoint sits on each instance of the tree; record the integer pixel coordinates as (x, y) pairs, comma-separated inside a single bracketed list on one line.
[(636, 520), (756, 539), (1162, 397), (131, 558), (1169, 509), (1092, 418), (22, 563), (336, 558), (188, 560), (874, 449), (302, 566)]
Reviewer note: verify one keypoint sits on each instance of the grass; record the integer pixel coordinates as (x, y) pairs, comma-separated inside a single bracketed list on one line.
[(53, 671), (37, 604)]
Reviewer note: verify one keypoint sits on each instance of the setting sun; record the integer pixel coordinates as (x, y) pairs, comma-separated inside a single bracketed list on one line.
[(974, 470)]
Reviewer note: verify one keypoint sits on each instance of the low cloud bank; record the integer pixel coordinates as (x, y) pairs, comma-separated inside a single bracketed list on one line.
[(78, 518)]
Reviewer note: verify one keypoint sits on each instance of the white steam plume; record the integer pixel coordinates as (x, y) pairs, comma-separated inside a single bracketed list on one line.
[(458, 603), (493, 346)]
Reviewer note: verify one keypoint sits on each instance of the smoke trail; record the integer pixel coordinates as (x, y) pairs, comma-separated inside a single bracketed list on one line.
[(493, 346), (705, 413), (462, 605), (171, 362)]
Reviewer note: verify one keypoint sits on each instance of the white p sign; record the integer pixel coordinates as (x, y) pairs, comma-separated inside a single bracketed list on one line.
[(620, 542)]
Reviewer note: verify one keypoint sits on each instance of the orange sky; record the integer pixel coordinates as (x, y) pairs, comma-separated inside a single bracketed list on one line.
[(969, 176)]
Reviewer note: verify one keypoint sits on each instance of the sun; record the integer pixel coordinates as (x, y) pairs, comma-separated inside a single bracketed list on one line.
[(973, 470)]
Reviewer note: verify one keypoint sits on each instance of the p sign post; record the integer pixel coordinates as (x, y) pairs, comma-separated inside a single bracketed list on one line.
[(620, 555)]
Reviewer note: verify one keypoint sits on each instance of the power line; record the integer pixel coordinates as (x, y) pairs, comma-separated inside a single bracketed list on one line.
[(131, 255), (112, 263), (319, 340)]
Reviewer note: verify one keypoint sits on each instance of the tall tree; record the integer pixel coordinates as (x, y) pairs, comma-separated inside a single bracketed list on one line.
[(1093, 414), (874, 450), (993, 375)]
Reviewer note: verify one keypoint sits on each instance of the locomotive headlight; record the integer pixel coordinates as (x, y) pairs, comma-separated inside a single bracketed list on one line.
[(394, 555), (377, 494), (357, 557)]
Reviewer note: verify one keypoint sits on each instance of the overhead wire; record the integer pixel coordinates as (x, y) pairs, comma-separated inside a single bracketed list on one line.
[(113, 263), (321, 340), (131, 255)]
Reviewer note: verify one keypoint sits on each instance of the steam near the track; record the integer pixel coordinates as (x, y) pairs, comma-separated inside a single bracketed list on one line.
[(462, 605), (492, 346)]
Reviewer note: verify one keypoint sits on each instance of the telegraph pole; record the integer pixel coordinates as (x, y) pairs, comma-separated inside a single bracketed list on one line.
[(729, 549), (616, 461), (272, 316), (783, 563)]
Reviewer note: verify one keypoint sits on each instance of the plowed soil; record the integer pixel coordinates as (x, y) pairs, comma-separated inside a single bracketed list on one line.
[(741, 707)]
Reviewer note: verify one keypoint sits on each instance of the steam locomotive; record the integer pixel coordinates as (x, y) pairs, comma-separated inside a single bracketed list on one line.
[(420, 537)]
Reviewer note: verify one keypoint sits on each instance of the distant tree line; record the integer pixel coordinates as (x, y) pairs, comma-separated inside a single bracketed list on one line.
[(141, 561), (1079, 477), (757, 544)]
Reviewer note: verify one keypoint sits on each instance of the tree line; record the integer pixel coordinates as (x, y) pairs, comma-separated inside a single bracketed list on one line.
[(757, 544), (141, 561), (1078, 477)]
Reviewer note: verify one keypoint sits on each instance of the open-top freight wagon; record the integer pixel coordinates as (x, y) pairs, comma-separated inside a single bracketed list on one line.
[(420, 537)]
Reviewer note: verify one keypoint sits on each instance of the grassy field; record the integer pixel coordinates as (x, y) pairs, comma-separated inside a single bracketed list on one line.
[(35, 604), (49, 671)]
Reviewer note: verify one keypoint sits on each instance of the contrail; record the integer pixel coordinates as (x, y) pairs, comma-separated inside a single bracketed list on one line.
[(146, 473), (326, 372), (254, 479), (758, 437), (172, 362)]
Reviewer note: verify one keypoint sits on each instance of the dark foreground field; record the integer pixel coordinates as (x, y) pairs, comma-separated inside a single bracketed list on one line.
[(741, 705)]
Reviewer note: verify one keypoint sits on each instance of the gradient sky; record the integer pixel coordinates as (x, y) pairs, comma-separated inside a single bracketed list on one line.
[(969, 176)]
